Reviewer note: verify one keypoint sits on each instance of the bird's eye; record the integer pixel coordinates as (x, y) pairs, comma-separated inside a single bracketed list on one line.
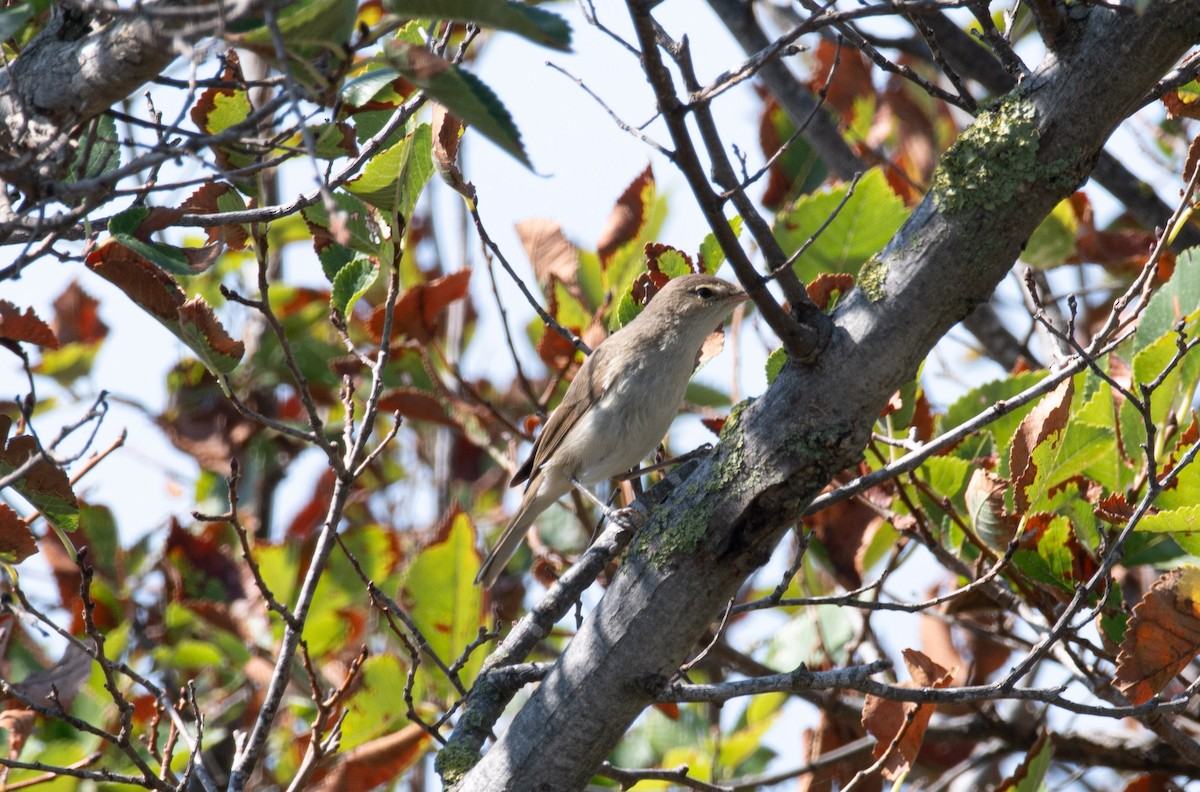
[(705, 293)]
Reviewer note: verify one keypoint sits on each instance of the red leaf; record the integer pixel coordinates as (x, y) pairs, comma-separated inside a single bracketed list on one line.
[(628, 216), (16, 540), (77, 318), (27, 327), (416, 405)]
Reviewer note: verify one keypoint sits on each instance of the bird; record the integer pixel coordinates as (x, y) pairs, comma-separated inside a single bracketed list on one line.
[(620, 404)]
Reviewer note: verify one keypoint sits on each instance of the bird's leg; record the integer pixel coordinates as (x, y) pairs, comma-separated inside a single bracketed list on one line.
[(679, 460), (587, 493)]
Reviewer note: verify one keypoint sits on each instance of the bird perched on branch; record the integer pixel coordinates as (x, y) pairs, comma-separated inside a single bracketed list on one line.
[(620, 404)]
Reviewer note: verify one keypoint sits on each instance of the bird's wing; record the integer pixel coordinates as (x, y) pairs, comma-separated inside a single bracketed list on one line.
[(582, 394)]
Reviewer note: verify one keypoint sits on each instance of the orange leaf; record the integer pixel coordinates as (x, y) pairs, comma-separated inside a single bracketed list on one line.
[(827, 284), (417, 309), (1162, 637), (554, 350), (373, 763), (18, 326), (885, 719), (627, 216)]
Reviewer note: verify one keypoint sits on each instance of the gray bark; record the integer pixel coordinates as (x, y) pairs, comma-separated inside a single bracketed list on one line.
[(778, 452)]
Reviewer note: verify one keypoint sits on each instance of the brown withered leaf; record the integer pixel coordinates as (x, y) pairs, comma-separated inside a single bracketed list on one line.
[(147, 285), (16, 325), (416, 405), (1114, 509), (199, 314), (1151, 782), (45, 483), (550, 252), (1162, 637), (826, 285), (18, 723), (373, 763), (1193, 160), (204, 563), (829, 735), (17, 542), (627, 217), (447, 134), (851, 80), (77, 317), (1124, 250), (1047, 418), (554, 350), (417, 310), (884, 719), (1179, 106), (841, 529), (312, 514), (985, 509), (779, 183), (206, 200)]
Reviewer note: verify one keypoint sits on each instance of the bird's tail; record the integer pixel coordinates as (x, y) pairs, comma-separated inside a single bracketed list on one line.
[(532, 505)]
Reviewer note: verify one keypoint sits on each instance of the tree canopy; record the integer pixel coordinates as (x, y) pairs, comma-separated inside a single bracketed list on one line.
[(943, 534)]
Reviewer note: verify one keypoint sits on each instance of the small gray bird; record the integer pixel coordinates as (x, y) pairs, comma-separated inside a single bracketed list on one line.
[(620, 404)]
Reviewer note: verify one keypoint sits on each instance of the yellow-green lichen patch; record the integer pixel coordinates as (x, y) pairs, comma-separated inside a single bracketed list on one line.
[(453, 763), (681, 530), (871, 278), (991, 160)]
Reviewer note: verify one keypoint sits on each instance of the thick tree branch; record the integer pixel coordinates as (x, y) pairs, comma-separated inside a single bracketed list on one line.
[(779, 451)]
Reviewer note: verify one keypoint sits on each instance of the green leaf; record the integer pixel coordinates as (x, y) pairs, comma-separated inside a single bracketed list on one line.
[(1031, 775), (775, 363), (946, 475), (1053, 241), (99, 151), (351, 283), (392, 180), (704, 396), (378, 705), (711, 254), (333, 258), (356, 219), (979, 399), (308, 28), (1179, 298), (1183, 524), (861, 228), (1052, 562), (168, 257), (463, 94), (537, 25), (440, 592), (1058, 460)]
